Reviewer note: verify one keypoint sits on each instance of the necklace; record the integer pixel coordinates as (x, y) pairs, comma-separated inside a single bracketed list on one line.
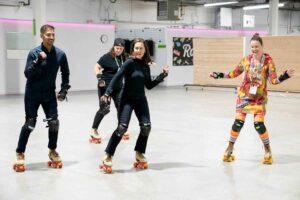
[(255, 69), (116, 60)]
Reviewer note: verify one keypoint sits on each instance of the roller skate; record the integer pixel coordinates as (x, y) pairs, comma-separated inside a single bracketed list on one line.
[(95, 137), (125, 136), (106, 165), (228, 157), (19, 165), (55, 160), (268, 155), (141, 161)]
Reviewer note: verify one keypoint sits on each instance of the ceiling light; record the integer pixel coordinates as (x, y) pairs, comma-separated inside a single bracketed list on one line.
[(220, 3), (262, 6)]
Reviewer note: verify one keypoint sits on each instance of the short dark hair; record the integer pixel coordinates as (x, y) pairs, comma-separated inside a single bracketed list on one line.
[(45, 27), (146, 58), (256, 37)]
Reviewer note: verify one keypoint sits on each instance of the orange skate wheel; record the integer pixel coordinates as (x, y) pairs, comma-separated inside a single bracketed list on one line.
[(49, 163), (146, 166), (60, 165), (108, 170), (19, 168), (53, 165)]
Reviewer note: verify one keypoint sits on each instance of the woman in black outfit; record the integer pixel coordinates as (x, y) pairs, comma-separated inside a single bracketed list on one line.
[(106, 67), (136, 73)]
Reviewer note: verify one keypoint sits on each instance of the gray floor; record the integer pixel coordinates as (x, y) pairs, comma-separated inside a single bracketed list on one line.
[(189, 134)]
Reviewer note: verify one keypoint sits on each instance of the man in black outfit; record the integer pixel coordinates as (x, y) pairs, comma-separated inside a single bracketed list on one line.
[(43, 63)]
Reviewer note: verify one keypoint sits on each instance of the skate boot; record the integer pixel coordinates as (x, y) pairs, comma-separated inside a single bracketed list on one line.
[(19, 165), (125, 136), (268, 155), (106, 165), (140, 161), (95, 137), (55, 160), (228, 157)]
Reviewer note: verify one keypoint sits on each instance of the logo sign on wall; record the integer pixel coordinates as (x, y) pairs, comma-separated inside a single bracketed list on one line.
[(182, 51)]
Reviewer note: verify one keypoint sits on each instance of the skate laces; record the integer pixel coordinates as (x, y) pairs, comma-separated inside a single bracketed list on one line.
[(95, 134), (107, 159), (54, 155), (20, 156), (140, 157)]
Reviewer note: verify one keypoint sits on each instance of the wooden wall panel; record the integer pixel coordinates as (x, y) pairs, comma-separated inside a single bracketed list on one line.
[(216, 54), (223, 54), (285, 51)]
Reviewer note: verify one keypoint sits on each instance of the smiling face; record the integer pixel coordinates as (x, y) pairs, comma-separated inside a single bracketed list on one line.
[(48, 37), (139, 50), (118, 50), (256, 48)]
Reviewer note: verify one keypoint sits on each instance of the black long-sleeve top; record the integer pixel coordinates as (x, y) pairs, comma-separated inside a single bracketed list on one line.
[(136, 76), (41, 76)]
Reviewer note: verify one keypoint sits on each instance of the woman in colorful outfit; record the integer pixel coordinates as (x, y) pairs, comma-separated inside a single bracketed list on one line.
[(257, 67)]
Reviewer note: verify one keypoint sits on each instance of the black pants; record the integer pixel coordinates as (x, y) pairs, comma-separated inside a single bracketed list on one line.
[(141, 109), (49, 105), (99, 116)]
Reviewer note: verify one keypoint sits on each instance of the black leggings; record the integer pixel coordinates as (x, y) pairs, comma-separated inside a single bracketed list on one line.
[(49, 106), (99, 116), (141, 109)]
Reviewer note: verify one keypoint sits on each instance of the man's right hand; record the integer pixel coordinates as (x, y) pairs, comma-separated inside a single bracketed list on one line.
[(41, 57)]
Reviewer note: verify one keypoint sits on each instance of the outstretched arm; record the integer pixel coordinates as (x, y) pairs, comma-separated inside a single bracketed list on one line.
[(284, 76), (160, 78), (238, 70)]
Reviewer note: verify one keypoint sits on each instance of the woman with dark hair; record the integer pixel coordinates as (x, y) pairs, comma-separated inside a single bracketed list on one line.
[(106, 67), (136, 73), (257, 67)]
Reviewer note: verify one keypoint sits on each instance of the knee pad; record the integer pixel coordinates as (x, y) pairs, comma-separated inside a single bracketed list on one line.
[(104, 109), (237, 125), (121, 129), (145, 129), (53, 125), (29, 124), (260, 127)]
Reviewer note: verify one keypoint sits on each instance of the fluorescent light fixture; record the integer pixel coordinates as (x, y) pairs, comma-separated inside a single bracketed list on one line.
[(219, 3), (262, 6)]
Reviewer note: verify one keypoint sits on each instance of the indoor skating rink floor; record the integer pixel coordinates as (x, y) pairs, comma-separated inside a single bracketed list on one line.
[(189, 134)]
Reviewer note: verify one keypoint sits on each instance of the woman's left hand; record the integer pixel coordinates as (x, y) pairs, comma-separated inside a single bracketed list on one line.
[(290, 72)]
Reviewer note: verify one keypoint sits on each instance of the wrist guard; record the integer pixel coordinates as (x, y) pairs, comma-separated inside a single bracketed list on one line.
[(283, 77), (62, 94), (218, 75), (99, 77), (161, 77)]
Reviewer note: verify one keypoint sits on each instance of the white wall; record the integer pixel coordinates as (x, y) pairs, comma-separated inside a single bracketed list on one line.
[(82, 54), (82, 45)]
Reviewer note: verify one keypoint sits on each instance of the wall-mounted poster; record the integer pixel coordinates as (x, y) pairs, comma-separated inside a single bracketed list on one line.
[(182, 51)]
